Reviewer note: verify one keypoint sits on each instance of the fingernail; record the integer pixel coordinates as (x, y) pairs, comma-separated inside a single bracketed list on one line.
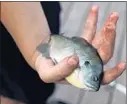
[(73, 60), (114, 14), (122, 65), (95, 7)]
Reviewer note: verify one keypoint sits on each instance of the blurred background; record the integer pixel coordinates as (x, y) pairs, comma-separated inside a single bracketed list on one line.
[(72, 19)]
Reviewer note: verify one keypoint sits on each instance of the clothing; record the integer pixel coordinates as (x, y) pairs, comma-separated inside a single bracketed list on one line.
[(18, 80)]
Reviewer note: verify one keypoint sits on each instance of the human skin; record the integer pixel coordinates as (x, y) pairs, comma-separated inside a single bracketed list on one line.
[(28, 26), (104, 41), (5, 100)]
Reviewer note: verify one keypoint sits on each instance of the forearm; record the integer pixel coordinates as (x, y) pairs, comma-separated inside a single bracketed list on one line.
[(6, 100), (28, 26)]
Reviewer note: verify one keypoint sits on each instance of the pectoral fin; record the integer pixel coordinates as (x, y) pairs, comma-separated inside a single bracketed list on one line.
[(44, 49)]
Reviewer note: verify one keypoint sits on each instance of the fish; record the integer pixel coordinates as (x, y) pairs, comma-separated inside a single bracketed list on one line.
[(89, 73)]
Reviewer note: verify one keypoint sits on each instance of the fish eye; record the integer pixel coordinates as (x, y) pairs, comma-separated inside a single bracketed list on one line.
[(95, 78), (87, 63)]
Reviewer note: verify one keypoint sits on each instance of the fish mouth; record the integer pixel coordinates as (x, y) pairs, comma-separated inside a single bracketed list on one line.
[(91, 88), (86, 84)]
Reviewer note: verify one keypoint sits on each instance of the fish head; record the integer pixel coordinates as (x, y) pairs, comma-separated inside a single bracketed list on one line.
[(91, 73)]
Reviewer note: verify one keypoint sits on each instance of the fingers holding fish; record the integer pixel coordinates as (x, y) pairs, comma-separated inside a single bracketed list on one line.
[(49, 72), (66, 67), (105, 40), (91, 22), (113, 73), (83, 70), (43, 63)]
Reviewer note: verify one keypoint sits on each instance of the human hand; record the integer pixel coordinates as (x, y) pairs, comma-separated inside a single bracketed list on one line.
[(104, 41), (50, 73)]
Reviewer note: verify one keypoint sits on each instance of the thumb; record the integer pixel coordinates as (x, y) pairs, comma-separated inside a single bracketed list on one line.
[(60, 70)]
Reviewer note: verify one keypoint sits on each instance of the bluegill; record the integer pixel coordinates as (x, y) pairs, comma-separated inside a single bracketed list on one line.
[(89, 73)]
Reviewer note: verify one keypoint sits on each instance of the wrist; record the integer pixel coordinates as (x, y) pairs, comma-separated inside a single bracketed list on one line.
[(37, 54)]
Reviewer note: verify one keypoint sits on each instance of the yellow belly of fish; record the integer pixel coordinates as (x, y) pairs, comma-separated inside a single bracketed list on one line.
[(74, 80)]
